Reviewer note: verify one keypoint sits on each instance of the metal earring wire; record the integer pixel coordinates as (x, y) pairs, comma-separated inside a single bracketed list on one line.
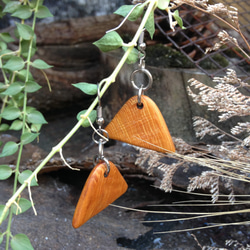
[(103, 133), (124, 20), (141, 87)]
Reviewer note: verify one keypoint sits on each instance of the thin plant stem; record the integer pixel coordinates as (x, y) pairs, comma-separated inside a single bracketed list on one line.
[(8, 231), (107, 82)]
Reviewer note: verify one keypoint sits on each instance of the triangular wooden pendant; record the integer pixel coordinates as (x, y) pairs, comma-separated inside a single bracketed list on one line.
[(98, 192), (141, 126)]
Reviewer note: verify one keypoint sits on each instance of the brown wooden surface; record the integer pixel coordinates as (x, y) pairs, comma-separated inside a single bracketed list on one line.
[(78, 30), (99, 191), (143, 127)]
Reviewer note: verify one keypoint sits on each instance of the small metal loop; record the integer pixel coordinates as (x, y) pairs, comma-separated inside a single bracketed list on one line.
[(97, 160), (140, 92), (142, 62), (100, 148), (102, 132), (147, 73)]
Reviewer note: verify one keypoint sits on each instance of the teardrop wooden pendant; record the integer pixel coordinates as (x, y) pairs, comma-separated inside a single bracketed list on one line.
[(98, 192), (141, 126)]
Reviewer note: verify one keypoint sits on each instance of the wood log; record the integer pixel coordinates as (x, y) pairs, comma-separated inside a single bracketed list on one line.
[(78, 30)]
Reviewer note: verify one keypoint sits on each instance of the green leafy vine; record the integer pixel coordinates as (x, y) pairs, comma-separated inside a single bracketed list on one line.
[(15, 113)]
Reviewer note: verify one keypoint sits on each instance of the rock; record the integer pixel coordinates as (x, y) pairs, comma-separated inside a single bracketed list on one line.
[(114, 228)]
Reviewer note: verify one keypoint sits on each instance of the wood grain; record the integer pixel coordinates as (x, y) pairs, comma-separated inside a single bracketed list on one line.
[(98, 192), (144, 127)]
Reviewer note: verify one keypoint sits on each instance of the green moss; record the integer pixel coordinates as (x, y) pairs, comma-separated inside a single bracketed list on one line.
[(167, 57), (161, 56), (208, 64)]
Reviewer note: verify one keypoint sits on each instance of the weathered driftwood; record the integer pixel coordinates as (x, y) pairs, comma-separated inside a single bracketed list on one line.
[(78, 30), (125, 157)]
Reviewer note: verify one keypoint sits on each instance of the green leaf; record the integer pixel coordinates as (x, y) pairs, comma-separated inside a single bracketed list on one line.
[(25, 175), (14, 63), (150, 25), (22, 75), (35, 116), (3, 87), (11, 113), (23, 205), (87, 88), (13, 89), (28, 137), (3, 46), (6, 37), (11, 6), (4, 127), (178, 19), (109, 41), (92, 117), (5, 172), (25, 31), (18, 100), (22, 12), (163, 4), (5, 55), (21, 242), (133, 56), (25, 48), (32, 86), (125, 9), (35, 127), (43, 12), (1, 211), (9, 148), (16, 125), (40, 64)]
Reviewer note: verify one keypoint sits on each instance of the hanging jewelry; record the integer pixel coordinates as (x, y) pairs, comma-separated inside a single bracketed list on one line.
[(140, 122), (104, 185)]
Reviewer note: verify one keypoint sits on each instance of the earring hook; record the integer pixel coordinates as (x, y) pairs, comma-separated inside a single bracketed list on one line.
[(142, 54), (100, 119), (124, 20), (103, 134)]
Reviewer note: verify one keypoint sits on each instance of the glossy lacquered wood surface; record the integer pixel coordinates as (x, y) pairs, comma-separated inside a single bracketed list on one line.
[(144, 127), (98, 192)]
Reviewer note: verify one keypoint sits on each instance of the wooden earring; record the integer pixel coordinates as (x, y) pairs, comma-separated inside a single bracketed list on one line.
[(141, 125), (98, 192), (140, 122), (105, 183)]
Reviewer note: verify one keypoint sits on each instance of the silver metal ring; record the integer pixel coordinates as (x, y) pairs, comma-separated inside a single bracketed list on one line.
[(147, 73), (104, 133)]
